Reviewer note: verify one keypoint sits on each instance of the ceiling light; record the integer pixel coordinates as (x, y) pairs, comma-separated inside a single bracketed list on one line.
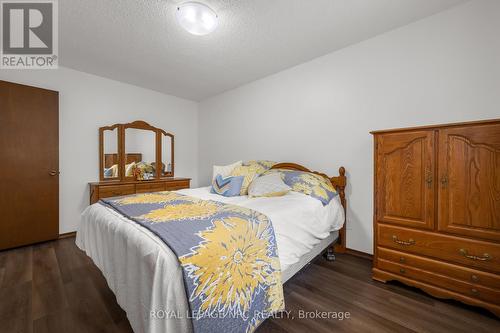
[(196, 18)]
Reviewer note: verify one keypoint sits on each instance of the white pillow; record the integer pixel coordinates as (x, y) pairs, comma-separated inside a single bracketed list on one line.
[(114, 169), (225, 170), (129, 169), (270, 185)]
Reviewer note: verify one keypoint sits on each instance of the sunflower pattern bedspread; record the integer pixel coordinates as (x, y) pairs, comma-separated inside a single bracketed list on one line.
[(228, 254)]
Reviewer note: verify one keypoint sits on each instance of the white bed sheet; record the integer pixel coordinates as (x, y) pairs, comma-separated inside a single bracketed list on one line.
[(145, 274), (299, 221)]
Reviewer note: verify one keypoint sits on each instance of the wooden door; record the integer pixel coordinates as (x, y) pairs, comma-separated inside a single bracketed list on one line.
[(469, 189), (29, 177), (405, 178)]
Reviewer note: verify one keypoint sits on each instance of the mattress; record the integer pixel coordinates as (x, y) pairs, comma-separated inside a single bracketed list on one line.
[(146, 277)]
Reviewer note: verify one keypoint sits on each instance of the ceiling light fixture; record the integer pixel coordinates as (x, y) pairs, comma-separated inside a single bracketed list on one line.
[(196, 18)]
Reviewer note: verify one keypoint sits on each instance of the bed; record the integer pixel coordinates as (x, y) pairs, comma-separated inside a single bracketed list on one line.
[(145, 274)]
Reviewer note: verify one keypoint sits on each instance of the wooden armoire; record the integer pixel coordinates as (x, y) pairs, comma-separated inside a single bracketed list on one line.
[(437, 210)]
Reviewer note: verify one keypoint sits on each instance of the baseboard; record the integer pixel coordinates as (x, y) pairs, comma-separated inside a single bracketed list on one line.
[(67, 235), (360, 254)]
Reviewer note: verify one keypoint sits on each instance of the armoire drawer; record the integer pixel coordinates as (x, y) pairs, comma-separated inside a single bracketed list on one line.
[(472, 253), (151, 187), (115, 190), (453, 271), (464, 288)]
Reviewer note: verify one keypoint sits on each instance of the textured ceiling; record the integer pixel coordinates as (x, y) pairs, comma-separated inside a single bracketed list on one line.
[(140, 42)]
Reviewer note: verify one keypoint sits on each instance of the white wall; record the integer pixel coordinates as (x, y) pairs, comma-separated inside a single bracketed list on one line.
[(87, 102), (444, 68)]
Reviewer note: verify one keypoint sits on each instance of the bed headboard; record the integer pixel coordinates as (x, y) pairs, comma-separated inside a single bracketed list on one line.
[(111, 159), (339, 182)]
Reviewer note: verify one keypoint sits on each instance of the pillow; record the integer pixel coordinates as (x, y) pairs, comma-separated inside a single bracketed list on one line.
[(228, 186), (261, 165), (308, 183), (111, 172), (249, 172), (129, 169), (225, 170), (144, 167), (270, 185), (143, 171)]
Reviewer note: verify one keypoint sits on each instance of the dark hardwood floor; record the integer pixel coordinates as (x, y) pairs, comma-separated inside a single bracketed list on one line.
[(54, 287)]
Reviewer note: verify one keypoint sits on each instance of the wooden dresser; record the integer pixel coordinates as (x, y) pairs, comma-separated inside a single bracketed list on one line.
[(106, 189), (437, 210)]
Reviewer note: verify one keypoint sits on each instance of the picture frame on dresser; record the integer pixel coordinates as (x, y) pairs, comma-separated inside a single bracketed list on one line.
[(436, 216)]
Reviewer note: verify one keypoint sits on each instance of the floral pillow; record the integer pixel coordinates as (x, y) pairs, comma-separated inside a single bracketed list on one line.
[(145, 167), (143, 171), (260, 165), (308, 183), (249, 173)]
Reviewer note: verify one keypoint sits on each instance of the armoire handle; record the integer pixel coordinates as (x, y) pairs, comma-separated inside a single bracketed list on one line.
[(429, 181), (444, 181)]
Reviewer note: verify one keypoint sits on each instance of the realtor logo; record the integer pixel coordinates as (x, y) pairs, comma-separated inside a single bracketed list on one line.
[(29, 34)]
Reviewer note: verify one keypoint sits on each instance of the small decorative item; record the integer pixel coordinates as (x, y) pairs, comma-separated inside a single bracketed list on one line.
[(138, 173), (153, 165), (143, 171), (148, 176)]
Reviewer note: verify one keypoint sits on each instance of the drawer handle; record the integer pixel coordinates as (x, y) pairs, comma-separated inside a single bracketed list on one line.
[(474, 291), (402, 259), (402, 270), (402, 242), (465, 253), (474, 278)]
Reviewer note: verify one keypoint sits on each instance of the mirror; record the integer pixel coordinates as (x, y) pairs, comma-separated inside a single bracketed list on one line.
[(131, 152), (140, 153), (110, 154), (167, 155)]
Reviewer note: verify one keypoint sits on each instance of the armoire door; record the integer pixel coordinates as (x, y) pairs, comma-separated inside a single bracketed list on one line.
[(405, 178), (29, 177), (469, 184)]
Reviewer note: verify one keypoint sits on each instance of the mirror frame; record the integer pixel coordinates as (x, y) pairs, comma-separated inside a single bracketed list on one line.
[(139, 124), (171, 173), (101, 151)]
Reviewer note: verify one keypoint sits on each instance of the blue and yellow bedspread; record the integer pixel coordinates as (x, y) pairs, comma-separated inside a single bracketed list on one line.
[(228, 254)]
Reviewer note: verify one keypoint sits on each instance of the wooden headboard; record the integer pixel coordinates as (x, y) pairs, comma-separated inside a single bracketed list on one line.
[(339, 182), (111, 159)]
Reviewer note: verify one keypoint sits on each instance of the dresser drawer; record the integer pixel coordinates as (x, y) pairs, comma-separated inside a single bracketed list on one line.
[(450, 270), (150, 187), (177, 185), (472, 253), (464, 288), (115, 190)]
